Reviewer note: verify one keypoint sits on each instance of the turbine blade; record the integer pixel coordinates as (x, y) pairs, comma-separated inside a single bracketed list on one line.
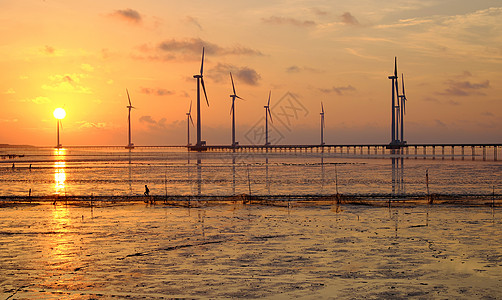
[(402, 79), (240, 98), (128, 97), (395, 66), (190, 110), (233, 87), (202, 62), (270, 114), (322, 108), (268, 103), (204, 88), (191, 120), (232, 108)]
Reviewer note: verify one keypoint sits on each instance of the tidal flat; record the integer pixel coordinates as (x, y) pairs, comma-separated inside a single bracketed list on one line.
[(250, 251)]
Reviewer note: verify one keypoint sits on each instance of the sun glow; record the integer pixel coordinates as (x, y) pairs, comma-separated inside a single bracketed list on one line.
[(59, 113)]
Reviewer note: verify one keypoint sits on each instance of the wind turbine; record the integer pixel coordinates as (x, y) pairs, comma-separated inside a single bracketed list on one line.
[(189, 119), (232, 110), (200, 80), (267, 114), (322, 124), (130, 145), (403, 109), (397, 107), (393, 103)]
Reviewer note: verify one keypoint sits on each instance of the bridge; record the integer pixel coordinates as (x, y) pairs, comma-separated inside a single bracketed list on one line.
[(429, 149)]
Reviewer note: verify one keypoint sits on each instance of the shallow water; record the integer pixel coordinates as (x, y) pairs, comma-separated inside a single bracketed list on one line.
[(116, 171), (136, 250)]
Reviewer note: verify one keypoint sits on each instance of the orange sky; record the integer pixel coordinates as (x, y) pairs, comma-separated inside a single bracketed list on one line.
[(83, 55)]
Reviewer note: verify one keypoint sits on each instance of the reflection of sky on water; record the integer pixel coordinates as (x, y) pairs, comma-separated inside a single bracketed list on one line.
[(113, 171), (59, 171)]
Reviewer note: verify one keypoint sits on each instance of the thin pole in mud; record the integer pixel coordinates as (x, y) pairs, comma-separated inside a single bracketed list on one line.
[(336, 180), (249, 181), (493, 204), (165, 182), (427, 185)]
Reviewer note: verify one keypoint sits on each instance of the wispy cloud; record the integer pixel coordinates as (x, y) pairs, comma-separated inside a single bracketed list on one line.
[(38, 100), (194, 45), (275, 20), (48, 50), (156, 91), (339, 90), (153, 124), (348, 19), (465, 88), (91, 125), (9, 91), (129, 15), (297, 69), (243, 74), (193, 21), (67, 83)]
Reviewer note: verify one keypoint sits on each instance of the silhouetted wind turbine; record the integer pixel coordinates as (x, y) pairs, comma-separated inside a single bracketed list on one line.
[(189, 119), (130, 145), (403, 108), (322, 124), (398, 119), (232, 110), (267, 114), (393, 103), (200, 80)]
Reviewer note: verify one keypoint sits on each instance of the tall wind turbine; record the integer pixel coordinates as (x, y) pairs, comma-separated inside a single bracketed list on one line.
[(200, 80), (267, 114), (393, 103), (232, 110), (189, 119), (129, 145), (397, 107), (322, 124), (403, 108)]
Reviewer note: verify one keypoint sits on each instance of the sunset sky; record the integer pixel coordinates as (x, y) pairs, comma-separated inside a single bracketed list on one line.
[(82, 55)]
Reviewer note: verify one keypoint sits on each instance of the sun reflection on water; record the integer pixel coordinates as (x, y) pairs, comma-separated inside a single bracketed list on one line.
[(59, 171)]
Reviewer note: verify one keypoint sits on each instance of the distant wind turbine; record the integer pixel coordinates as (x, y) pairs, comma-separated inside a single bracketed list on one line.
[(232, 110), (200, 80), (322, 124), (267, 114), (130, 145), (189, 119)]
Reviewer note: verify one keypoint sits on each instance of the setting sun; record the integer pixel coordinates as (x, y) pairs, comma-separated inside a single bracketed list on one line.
[(59, 113)]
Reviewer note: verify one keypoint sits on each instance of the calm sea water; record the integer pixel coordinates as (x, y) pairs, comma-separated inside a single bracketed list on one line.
[(117, 171)]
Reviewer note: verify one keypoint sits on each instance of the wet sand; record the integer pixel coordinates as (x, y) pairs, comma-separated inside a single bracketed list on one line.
[(249, 251)]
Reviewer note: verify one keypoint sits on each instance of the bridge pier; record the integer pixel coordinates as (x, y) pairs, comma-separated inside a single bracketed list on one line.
[(433, 152), (462, 152), (484, 153), (495, 149), (473, 152)]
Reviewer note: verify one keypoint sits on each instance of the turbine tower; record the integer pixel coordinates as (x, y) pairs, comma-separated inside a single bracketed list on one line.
[(129, 145), (200, 80), (322, 124), (189, 119), (232, 110), (393, 103), (267, 114)]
